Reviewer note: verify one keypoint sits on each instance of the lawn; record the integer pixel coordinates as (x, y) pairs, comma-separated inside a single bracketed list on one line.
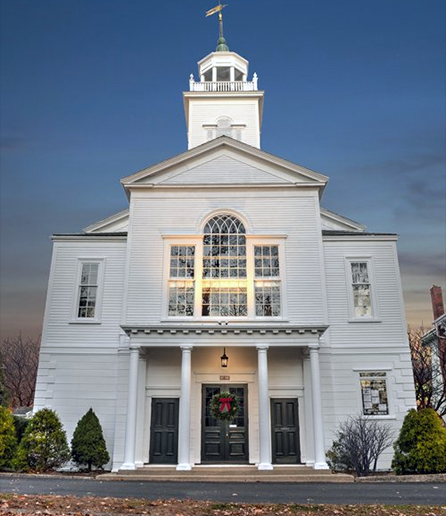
[(33, 505)]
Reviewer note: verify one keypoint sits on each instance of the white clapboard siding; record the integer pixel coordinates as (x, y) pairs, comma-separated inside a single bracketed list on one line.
[(78, 361), (62, 294), (390, 328), (291, 213), (240, 111), (224, 170)]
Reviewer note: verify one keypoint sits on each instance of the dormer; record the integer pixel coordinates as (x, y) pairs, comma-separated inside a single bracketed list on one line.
[(223, 101)]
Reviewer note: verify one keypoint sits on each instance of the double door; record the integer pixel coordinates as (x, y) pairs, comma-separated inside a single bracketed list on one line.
[(224, 441)]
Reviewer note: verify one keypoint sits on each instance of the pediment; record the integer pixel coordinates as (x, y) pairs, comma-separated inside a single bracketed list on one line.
[(224, 169), (224, 162)]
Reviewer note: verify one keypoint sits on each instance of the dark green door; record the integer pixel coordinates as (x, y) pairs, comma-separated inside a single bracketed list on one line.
[(224, 441), (285, 431), (164, 431)]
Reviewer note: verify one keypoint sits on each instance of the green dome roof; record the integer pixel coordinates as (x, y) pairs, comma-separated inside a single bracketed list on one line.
[(221, 45)]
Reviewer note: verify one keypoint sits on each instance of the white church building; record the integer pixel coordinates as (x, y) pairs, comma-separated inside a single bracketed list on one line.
[(224, 274)]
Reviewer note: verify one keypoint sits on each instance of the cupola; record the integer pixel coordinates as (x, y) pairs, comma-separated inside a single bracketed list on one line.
[(223, 101)]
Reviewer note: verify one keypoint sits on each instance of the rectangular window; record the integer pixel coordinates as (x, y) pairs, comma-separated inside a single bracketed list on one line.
[(224, 256), (88, 290), (224, 300), (374, 393), (181, 280), (267, 281), (362, 303)]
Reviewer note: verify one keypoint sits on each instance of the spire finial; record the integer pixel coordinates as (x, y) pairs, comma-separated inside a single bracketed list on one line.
[(221, 44)]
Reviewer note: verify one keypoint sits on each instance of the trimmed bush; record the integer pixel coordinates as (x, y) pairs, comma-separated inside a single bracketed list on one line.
[(44, 445), (8, 439), (88, 444), (421, 445)]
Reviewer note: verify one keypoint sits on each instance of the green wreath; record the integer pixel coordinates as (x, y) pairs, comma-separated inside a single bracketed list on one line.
[(225, 406)]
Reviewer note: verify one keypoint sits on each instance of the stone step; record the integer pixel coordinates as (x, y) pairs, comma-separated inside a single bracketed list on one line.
[(232, 474)]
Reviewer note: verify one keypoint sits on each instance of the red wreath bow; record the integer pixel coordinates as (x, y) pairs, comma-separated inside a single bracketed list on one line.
[(225, 404)]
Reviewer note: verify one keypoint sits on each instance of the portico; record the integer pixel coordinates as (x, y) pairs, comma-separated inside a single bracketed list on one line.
[(275, 364)]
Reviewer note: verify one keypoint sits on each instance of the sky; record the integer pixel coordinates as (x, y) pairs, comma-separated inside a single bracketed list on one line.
[(91, 91)]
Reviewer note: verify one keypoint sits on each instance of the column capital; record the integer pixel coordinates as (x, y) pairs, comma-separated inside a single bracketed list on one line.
[(262, 347), (186, 348), (314, 348)]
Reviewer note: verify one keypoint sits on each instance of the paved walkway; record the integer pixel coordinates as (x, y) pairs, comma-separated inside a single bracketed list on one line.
[(419, 493)]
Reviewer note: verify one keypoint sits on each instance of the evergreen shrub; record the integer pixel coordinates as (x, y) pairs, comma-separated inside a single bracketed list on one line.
[(421, 445), (20, 424), (8, 439), (88, 444), (44, 445)]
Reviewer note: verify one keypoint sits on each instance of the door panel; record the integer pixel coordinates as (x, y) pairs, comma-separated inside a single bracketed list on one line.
[(224, 441), (164, 431), (285, 431)]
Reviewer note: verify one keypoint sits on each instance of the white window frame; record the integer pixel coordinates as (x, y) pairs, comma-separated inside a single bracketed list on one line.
[(97, 319), (251, 242), (265, 240), (374, 317)]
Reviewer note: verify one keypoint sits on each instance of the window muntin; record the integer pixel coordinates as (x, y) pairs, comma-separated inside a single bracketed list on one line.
[(224, 248), (224, 289), (221, 300), (266, 261), (88, 289), (266, 283), (181, 280), (221, 276), (361, 288), (374, 393)]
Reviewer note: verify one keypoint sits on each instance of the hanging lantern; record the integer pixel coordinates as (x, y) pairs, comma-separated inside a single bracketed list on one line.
[(224, 359)]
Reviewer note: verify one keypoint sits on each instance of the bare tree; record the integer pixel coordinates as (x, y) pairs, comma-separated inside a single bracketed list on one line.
[(19, 361), (430, 384), (359, 443)]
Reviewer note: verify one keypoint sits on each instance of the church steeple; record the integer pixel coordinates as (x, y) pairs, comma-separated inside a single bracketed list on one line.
[(223, 101), (221, 43)]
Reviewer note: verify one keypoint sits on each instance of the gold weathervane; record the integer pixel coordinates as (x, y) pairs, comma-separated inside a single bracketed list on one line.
[(221, 42), (214, 10)]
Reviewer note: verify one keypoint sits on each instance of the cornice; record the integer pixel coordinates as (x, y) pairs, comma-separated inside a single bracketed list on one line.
[(224, 329)]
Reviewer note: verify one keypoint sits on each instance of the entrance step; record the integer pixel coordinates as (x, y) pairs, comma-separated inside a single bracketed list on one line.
[(291, 474)]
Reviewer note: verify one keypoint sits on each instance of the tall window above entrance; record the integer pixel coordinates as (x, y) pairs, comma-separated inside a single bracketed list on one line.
[(224, 290), (224, 273)]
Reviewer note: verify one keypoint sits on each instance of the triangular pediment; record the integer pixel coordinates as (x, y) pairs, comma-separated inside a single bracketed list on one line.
[(226, 170), (225, 162)]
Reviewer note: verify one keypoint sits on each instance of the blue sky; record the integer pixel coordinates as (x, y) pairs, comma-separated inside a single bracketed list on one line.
[(91, 92)]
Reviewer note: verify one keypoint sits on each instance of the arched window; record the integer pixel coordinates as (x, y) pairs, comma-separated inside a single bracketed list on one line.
[(223, 273), (224, 127), (224, 290)]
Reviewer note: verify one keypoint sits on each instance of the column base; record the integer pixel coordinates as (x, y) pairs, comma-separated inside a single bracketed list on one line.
[(321, 465), (129, 466), (265, 466), (183, 467)]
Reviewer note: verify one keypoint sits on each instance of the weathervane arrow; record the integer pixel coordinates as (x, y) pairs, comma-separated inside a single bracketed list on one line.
[(216, 9)]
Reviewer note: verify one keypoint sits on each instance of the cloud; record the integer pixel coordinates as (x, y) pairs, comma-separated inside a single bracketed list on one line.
[(425, 264)]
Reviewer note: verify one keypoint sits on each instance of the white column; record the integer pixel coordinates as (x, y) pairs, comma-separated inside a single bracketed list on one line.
[(318, 425), (130, 427), (184, 422), (264, 426), (214, 74)]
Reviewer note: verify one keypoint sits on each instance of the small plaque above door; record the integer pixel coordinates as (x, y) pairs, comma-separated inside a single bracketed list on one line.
[(223, 378)]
